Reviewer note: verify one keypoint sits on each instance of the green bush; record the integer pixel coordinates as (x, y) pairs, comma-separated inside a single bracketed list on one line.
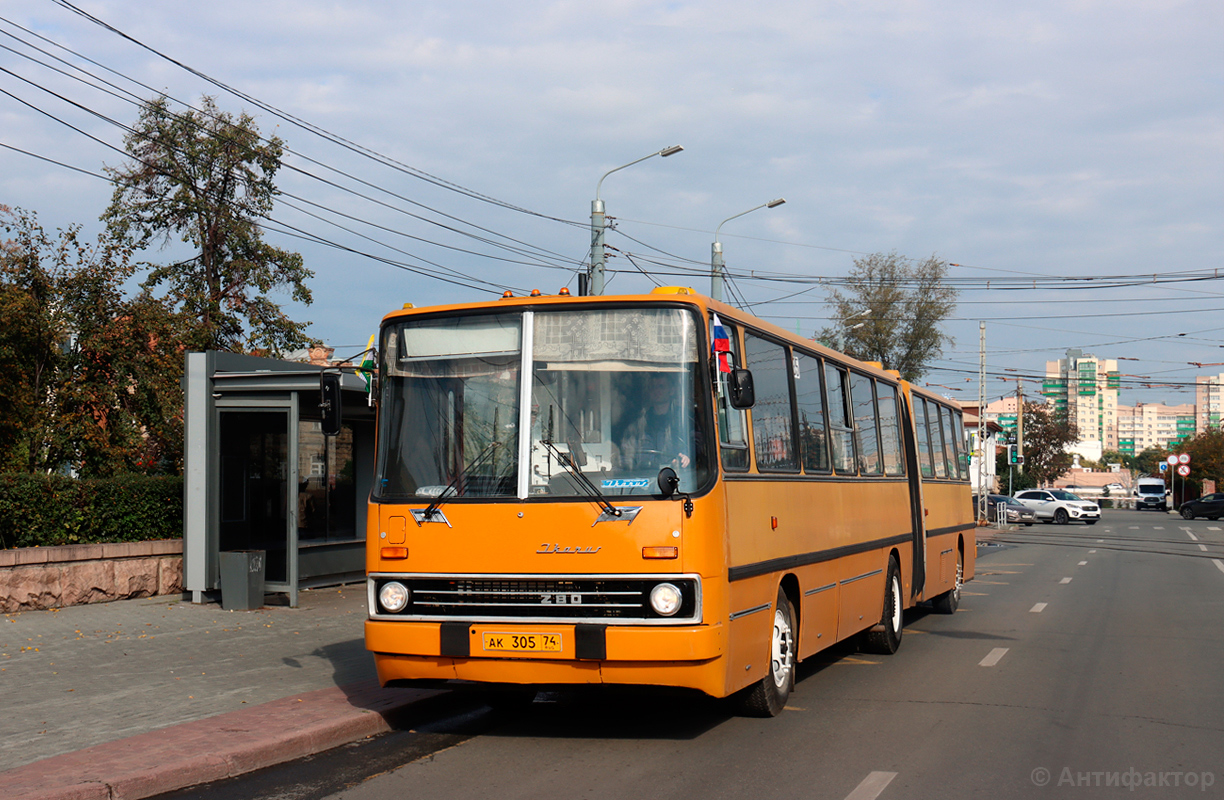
[(47, 510)]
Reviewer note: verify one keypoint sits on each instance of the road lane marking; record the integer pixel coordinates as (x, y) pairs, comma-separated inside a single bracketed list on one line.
[(1158, 527), (1191, 535), (1082, 563), (1038, 608), (993, 657), (1219, 564), (871, 786), (1136, 527), (1100, 541), (1065, 580), (1090, 552), (1212, 528), (1203, 547)]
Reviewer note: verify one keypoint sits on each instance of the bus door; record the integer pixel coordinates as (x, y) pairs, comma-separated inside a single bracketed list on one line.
[(913, 471)]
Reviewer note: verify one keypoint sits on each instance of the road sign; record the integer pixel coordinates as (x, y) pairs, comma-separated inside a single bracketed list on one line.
[(1172, 460), (1183, 470), (1184, 458), (1164, 467)]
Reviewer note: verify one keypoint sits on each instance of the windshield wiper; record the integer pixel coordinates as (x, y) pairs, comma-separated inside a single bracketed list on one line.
[(433, 507), (567, 461)]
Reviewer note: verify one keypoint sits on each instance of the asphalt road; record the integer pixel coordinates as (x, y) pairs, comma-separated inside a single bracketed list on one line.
[(1084, 662)]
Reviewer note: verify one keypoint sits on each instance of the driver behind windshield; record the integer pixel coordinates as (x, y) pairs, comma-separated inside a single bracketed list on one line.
[(656, 432)]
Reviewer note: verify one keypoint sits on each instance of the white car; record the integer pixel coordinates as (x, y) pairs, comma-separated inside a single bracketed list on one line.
[(1059, 506)]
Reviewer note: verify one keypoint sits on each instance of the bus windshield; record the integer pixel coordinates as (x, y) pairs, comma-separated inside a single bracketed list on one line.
[(612, 393)]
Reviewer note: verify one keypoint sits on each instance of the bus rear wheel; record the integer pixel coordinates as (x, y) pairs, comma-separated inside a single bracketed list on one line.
[(885, 637), (767, 697)]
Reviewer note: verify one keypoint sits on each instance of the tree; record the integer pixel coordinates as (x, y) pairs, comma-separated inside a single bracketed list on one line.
[(1046, 435), (1148, 462), (892, 312), (206, 178), (80, 362)]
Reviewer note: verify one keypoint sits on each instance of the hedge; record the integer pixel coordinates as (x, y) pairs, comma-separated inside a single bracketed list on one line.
[(47, 510)]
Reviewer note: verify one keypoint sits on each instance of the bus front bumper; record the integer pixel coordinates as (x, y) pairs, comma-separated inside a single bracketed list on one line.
[(687, 656)]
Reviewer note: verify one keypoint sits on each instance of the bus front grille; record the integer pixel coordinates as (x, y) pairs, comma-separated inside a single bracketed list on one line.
[(606, 599)]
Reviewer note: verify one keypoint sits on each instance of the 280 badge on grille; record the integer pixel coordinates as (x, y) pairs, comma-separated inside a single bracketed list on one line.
[(521, 642)]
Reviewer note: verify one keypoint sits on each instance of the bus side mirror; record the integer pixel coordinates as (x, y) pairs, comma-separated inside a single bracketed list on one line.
[(668, 482), (742, 393), (329, 402)]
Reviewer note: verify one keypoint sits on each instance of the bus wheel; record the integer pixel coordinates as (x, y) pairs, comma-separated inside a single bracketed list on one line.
[(949, 601), (767, 697), (885, 638)]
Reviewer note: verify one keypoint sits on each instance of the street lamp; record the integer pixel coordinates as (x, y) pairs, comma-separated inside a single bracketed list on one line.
[(599, 221), (717, 266)]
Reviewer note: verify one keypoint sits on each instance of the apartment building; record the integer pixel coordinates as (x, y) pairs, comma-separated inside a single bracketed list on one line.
[(1153, 425), (1086, 388), (1208, 401)]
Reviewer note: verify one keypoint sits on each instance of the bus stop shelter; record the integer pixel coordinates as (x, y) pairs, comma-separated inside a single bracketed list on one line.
[(262, 477)]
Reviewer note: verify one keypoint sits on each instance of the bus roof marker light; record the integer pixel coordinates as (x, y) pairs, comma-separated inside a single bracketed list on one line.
[(565, 292), (535, 292), (506, 295)]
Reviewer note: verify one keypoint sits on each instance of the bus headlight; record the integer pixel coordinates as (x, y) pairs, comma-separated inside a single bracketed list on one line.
[(665, 599), (393, 596)]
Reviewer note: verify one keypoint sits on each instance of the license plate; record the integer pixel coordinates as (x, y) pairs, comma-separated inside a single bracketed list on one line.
[(522, 642)]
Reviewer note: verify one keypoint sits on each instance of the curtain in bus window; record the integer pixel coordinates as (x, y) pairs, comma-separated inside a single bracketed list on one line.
[(841, 428), (865, 424), (732, 428), (771, 416), (938, 451), (890, 430), (962, 462), (922, 432), (813, 438), (949, 436)]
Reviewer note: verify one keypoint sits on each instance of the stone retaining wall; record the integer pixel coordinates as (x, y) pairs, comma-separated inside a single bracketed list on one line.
[(53, 577)]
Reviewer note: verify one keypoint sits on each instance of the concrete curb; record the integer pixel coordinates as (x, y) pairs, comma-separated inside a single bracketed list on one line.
[(211, 749)]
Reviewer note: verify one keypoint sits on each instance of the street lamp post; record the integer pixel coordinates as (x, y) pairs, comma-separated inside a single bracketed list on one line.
[(718, 267), (599, 221)]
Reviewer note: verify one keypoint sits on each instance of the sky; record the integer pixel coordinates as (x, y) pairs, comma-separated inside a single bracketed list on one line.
[(455, 149)]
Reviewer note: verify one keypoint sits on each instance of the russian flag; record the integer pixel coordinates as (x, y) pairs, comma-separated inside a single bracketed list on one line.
[(720, 344)]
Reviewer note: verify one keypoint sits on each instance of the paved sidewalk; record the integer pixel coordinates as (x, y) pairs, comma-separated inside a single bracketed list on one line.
[(137, 697)]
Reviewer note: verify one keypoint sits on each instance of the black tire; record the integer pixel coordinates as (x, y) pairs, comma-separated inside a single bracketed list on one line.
[(1028, 524), (949, 601), (767, 697), (1060, 516), (885, 637), (1090, 522), (1187, 513)]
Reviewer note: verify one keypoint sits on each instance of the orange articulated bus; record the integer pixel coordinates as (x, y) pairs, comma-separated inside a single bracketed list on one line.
[(651, 489)]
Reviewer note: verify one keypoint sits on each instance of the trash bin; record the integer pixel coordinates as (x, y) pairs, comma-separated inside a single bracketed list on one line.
[(242, 579)]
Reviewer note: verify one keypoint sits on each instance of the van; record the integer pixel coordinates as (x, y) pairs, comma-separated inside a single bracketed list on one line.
[(1150, 493)]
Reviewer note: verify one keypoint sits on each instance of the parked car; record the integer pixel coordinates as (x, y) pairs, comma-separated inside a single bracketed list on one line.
[(1115, 488), (1210, 506), (1059, 506), (1016, 512)]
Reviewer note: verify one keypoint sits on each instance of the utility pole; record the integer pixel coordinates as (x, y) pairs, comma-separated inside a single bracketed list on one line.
[(1020, 424), (982, 488)]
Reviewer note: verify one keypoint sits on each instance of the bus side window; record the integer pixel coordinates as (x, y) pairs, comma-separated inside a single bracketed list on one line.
[(732, 436), (923, 434), (772, 421), (841, 430), (950, 454), (865, 426), (962, 461), (813, 437), (938, 451), (890, 430)]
